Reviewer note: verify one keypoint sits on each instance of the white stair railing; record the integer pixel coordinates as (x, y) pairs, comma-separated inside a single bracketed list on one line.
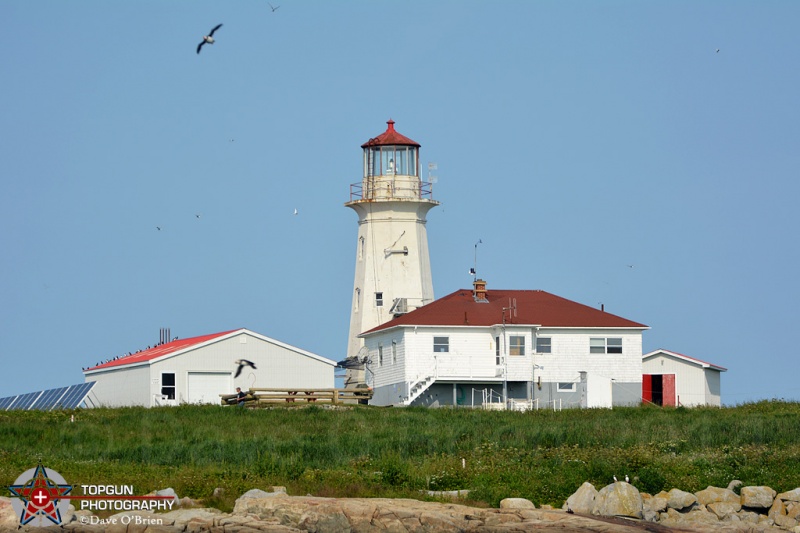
[(421, 382)]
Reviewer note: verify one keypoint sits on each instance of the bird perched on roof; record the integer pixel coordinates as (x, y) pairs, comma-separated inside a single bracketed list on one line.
[(208, 38), (242, 363)]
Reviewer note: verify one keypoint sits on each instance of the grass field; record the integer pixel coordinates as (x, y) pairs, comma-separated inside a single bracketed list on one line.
[(389, 452)]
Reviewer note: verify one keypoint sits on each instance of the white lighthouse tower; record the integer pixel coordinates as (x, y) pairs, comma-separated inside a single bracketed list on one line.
[(393, 267)]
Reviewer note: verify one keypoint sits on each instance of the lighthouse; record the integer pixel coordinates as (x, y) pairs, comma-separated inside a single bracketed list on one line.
[(393, 268)]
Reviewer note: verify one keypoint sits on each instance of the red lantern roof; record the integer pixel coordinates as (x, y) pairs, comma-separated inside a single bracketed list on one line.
[(390, 137)]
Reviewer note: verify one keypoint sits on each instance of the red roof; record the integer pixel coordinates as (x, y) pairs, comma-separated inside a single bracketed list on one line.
[(160, 350), (390, 137), (533, 307), (699, 362)]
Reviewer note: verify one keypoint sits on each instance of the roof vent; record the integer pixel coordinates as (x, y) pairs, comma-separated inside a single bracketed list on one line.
[(479, 292)]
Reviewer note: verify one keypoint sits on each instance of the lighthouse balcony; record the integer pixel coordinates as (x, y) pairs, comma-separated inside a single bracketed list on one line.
[(391, 188)]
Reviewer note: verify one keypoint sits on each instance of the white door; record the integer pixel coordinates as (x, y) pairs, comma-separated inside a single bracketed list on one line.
[(205, 387)]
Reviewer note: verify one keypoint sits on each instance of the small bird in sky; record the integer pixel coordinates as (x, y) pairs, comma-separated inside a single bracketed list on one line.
[(197, 215), (208, 38), (717, 50), (242, 363), (158, 228), (274, 8), (295, 211)]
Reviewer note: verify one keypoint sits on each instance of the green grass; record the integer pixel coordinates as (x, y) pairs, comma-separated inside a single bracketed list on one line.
[(378, 452)]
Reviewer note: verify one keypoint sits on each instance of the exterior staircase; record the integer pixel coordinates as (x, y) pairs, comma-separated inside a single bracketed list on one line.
[(419, 385)]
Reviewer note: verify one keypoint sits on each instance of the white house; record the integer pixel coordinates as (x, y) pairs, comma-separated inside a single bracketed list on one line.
[(199, 369), (507, 346), (673, 379)]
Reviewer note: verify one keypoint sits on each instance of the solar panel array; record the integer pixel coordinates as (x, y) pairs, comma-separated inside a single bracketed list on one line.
[(61, 398)]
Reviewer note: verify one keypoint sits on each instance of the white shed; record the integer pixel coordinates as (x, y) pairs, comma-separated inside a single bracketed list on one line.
[(673, 379), (199, 369)]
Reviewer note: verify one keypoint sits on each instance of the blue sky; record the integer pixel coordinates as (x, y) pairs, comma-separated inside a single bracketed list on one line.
[(573, 138)]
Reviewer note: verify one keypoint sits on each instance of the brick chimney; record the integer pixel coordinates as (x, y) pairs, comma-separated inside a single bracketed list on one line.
[(479, 292)]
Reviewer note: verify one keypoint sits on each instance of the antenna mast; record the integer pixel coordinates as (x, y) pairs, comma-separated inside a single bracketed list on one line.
[(474, 270)]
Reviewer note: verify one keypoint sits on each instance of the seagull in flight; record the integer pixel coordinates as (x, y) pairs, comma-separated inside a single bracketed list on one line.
[(274, 8), (242, 363), (208, 38)]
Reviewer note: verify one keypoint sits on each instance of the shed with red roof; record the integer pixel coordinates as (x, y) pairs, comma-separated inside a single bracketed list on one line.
[(673, 379), (199, 369)]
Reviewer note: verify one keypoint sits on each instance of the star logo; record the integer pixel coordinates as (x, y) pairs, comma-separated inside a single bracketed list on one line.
[(38, 493)]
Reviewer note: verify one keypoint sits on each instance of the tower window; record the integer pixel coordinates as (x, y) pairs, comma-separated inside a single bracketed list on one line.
[(378, 299), (544, 345)]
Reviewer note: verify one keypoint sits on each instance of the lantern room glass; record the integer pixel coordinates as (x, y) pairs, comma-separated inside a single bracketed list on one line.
[(391, 160)]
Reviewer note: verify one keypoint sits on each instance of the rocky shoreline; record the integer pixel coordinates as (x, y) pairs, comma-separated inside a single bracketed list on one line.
[(618, 507)]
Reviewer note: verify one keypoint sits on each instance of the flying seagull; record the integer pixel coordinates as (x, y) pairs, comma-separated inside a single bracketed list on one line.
[(274, 8), (242, 363), (208, 38)]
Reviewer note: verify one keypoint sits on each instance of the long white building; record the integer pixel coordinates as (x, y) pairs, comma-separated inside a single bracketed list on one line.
[(199, 369), (505, 346)]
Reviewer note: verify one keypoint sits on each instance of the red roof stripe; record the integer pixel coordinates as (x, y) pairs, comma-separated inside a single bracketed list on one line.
[(159, 351)]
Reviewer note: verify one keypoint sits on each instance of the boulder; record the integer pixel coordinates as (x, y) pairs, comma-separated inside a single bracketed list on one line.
[(791, 496), (619, 499), (715, 494), (724, 509), (680, 500), (583, 500), (516, 503), (757, 497)]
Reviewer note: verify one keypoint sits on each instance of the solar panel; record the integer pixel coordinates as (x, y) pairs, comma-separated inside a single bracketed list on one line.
[(26, 400), (6, 402), (75, 396), (61, 398), (49, 399)]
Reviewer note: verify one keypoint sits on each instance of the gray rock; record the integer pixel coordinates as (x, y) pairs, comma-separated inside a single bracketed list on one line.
[(757, 497), (583, 500), (619, 499), (724, 509), (516, 503), (791, 496), (715, 494), (680, 500), (168, 492)]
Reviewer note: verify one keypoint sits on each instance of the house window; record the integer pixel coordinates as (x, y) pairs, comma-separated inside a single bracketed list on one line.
[(516, 345), (544, 345), (566, 387), (605, 345), (497, 351), (380, 354), (378, 299), (394, 352), (441, 344), (168, 386)]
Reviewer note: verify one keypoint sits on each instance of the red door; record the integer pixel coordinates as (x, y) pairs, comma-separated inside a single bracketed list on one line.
[(647, 388), (668, 390)]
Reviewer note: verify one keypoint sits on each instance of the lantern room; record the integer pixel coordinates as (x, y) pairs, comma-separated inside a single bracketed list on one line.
[(391, 154)]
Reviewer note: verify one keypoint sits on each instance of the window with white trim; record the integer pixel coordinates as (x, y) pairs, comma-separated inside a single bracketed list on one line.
[(566, 387), (168, 385), (544, 345), (394, 352), (380, 354), (605, 345), (378, 299), (516, 345), (441, 344)]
